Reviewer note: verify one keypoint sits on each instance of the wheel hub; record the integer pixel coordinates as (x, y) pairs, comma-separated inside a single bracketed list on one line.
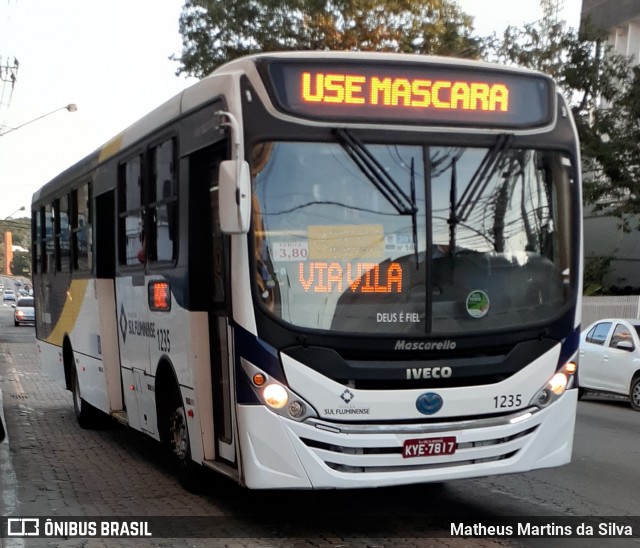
[(179, 434)]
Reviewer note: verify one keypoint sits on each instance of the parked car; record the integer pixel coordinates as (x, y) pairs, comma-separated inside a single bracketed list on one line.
[(610, 358), (25, 312)]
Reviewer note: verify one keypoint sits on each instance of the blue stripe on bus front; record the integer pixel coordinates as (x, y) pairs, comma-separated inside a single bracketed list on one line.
[(569, 347), (260, 354)]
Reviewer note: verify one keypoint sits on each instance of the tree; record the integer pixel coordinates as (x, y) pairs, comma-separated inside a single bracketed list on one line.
[(216, 31), (21, 265), (603, 91)]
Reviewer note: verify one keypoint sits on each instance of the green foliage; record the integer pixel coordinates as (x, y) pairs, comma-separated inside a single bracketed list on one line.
[(604, 93), (601, 87), (21, 264), (595, 269), (216, 31), (603, 90)]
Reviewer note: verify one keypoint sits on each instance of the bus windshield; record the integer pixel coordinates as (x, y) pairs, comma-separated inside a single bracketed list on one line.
[(487, 244)]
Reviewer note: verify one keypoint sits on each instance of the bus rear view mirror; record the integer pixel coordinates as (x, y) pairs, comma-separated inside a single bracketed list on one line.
[(234, 203)]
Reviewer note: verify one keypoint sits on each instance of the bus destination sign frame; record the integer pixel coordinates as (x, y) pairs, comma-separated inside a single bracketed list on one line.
[(412, 93)]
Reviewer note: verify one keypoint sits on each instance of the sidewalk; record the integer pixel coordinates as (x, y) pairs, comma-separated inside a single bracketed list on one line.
[(49, 466), (17, 363), (8, 485), (3, 432)]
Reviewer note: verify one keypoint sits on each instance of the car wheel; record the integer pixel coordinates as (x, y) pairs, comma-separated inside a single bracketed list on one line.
[(581, 393), (634, 394)]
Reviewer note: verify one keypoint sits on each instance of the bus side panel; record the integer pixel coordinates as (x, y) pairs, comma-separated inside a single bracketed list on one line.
[(81, 323), (50, 357), (77, 322), (91, 380), (135, 335), (109, 344), (201, 366)]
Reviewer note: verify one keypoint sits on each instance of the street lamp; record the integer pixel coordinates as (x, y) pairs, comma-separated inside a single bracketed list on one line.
[(16, 211), (71, 107)]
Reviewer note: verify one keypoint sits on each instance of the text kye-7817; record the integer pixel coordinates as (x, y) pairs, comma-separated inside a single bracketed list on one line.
[(326, 270)]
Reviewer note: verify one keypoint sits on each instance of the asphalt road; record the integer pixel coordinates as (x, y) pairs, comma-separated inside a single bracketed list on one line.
[(53, 467)]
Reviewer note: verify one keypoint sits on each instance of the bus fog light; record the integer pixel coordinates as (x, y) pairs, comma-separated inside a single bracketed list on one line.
[(296, 409), (544, 397), (275, 396)]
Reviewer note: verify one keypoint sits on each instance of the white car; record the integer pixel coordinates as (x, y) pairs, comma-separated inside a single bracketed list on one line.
[(610, 358), (24, 312)]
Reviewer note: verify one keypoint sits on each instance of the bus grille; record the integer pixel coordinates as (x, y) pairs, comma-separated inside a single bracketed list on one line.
[(380, 450)]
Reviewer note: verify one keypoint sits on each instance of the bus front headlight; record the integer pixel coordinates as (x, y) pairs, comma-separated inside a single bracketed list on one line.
[(560, 381), (278, 397), (275, 396)]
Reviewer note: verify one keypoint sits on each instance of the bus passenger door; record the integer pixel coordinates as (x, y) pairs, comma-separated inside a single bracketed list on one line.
[(209, 259), (135, 331)]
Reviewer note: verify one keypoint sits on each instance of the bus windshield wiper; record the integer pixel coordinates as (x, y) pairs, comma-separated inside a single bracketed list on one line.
[(373, 170), (453, 218), (382, 180), (481, 177), (414, 212)]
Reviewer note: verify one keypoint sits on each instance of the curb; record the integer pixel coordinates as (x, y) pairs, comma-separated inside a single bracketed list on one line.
[(3, 429)]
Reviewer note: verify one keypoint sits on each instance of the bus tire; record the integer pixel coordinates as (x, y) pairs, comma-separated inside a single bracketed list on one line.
[(88, 416), (189, 473), (634, 393)]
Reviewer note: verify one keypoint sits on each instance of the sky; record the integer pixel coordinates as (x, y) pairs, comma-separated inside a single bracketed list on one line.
[(111, 59)]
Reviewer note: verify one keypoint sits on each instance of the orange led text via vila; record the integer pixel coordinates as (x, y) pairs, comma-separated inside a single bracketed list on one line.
[(324, 277)]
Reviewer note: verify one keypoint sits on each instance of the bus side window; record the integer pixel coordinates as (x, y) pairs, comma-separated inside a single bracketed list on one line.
[(49, 264), (81, 228), (36, 247), (63, 243), (130, 212), (163, 202)]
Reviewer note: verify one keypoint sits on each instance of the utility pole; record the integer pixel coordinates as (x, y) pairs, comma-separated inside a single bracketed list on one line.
[(8, 78)]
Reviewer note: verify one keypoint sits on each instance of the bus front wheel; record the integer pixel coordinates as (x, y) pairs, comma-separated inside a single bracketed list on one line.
[(189, 472)]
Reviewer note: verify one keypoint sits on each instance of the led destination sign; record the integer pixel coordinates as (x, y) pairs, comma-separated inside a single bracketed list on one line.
[(414, 93), (323, 277)]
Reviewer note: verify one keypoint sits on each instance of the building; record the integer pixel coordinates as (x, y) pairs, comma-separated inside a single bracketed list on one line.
[(604, 235), (621, 18)]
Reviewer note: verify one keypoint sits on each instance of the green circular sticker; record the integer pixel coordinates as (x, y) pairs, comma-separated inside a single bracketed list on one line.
[(477, 304)]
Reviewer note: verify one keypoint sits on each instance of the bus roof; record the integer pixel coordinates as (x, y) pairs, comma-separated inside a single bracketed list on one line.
[(197, 96), (242, 62)]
